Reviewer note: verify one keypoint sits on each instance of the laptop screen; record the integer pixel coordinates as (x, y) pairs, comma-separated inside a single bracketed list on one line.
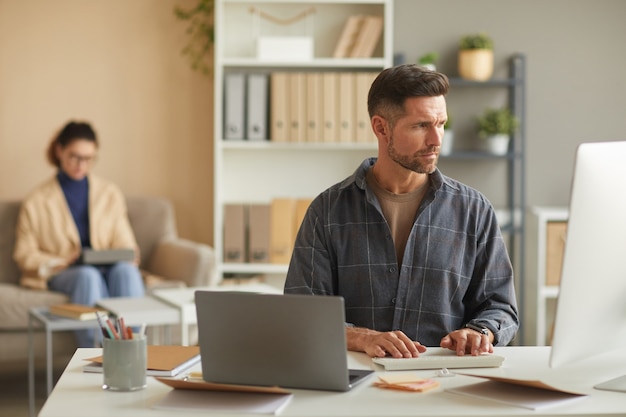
[(295, 341)]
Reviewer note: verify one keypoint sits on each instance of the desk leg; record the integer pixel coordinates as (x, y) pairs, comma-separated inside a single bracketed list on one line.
[(31, 368), (49, 360)]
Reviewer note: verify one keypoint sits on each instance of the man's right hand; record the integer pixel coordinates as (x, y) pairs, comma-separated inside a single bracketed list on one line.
[(379, 344)]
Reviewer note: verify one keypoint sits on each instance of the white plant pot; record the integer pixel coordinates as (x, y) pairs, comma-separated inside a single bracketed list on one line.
[(496, 144), (447, 143)]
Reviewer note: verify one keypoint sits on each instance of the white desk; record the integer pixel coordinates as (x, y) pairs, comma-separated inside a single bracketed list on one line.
[(183, 300), (79, 394)]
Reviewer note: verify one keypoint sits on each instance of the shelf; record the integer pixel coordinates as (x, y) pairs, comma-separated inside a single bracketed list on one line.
[(250, 268), (271, 146), (316, 63)]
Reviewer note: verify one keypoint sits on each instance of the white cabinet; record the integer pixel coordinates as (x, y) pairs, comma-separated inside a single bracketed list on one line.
[(258, 171), (545, 239)]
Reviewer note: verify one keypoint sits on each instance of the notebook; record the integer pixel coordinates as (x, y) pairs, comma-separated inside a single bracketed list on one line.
[(291, 341)]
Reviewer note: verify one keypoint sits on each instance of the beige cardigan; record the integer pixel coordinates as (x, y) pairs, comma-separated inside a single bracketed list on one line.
[(46, 231)]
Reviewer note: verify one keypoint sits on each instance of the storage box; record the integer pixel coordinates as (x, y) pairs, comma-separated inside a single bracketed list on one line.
[(556, 232), (285, 48)]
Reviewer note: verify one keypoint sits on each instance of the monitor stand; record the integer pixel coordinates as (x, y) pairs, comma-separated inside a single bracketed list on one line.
[(617, 384)]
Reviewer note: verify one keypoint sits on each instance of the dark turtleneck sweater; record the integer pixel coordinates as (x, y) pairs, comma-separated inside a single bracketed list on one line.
[(77, 197)]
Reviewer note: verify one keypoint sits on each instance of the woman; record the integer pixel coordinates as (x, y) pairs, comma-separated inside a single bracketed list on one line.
[(71, 211)]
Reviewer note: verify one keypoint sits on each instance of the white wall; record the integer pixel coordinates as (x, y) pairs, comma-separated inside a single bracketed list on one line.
[(576, 85)]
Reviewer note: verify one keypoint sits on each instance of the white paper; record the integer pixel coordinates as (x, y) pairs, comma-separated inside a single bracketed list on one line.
[(223, 402), (516, 395)]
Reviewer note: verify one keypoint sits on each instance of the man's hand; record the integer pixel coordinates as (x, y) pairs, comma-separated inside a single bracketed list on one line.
[(380, 344), (468, 341)]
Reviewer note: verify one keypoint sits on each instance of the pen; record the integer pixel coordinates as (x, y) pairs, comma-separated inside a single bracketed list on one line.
[(103, 327), (122, 328), (112, 328)]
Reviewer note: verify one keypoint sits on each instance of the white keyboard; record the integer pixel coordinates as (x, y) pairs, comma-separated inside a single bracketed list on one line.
[(440, 360)]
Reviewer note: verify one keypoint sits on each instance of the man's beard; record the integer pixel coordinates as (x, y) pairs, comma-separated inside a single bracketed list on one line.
[(412, 162)]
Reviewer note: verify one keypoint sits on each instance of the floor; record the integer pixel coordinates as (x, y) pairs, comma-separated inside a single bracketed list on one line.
[(14, 392)]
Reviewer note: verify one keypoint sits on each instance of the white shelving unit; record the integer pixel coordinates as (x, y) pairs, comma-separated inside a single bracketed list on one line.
[(256, 172), (540, 298)]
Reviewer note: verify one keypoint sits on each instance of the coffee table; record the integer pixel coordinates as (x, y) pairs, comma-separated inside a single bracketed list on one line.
[(41, 317), (183, 300)]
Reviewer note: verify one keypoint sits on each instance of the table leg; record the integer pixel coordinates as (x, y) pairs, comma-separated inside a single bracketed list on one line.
[(49, 360), (31, 368)]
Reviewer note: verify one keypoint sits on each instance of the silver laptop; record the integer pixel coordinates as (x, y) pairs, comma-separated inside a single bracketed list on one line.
[(295, 341)]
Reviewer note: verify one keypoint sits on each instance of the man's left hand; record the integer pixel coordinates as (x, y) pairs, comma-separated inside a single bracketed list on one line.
[(468, 341)]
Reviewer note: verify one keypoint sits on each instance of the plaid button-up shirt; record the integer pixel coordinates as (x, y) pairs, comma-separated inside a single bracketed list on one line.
[(455, 267)]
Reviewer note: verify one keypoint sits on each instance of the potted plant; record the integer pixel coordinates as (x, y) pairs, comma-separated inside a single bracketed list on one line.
[(476, 57), (495, 127), (447, 141), (429, 60)]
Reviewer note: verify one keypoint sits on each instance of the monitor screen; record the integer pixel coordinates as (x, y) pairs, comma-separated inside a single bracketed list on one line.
[(591, 306)]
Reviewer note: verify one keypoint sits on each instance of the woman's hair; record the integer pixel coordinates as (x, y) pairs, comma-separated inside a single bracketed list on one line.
[(69, 133), (394, 85)]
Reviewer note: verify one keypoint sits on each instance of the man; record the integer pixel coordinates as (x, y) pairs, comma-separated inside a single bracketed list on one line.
[(418, 257)]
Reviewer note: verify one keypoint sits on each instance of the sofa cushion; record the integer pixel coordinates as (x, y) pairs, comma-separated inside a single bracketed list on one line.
[(16, 301), (152, 219)]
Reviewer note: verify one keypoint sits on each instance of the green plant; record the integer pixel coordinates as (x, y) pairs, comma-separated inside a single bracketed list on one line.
[(429, 58), (476, 41), (202, 35), (497, 121)]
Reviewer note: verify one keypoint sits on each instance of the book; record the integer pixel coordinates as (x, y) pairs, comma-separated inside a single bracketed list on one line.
[(162, 360), (348, 36), (369, 35), (75, 311)]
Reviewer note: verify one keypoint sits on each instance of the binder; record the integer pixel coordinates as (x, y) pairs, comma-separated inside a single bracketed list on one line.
[(297, 107), (279, 106), (234, 233), (302, 205), (346, 107), (330, 106), (257, 107), (234, 109), (258, 233), (371, 30), (282, 220), (313, 128), (363, 128)]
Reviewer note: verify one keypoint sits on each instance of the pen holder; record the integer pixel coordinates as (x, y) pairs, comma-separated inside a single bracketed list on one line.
[(124, 364)]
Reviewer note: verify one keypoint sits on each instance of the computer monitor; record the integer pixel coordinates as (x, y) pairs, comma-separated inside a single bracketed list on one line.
[(592, 294)]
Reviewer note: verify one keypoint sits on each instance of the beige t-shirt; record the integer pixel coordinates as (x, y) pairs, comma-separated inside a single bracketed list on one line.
[(399, 211)]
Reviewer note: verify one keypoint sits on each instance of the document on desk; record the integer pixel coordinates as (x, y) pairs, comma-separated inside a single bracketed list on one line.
[(223, 402), (519, 392)]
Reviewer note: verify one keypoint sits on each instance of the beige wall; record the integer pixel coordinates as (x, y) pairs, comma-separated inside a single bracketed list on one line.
[(116, 64)]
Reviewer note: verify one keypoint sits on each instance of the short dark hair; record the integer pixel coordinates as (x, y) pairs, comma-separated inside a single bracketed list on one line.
[(70, 132), (394, 85)]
